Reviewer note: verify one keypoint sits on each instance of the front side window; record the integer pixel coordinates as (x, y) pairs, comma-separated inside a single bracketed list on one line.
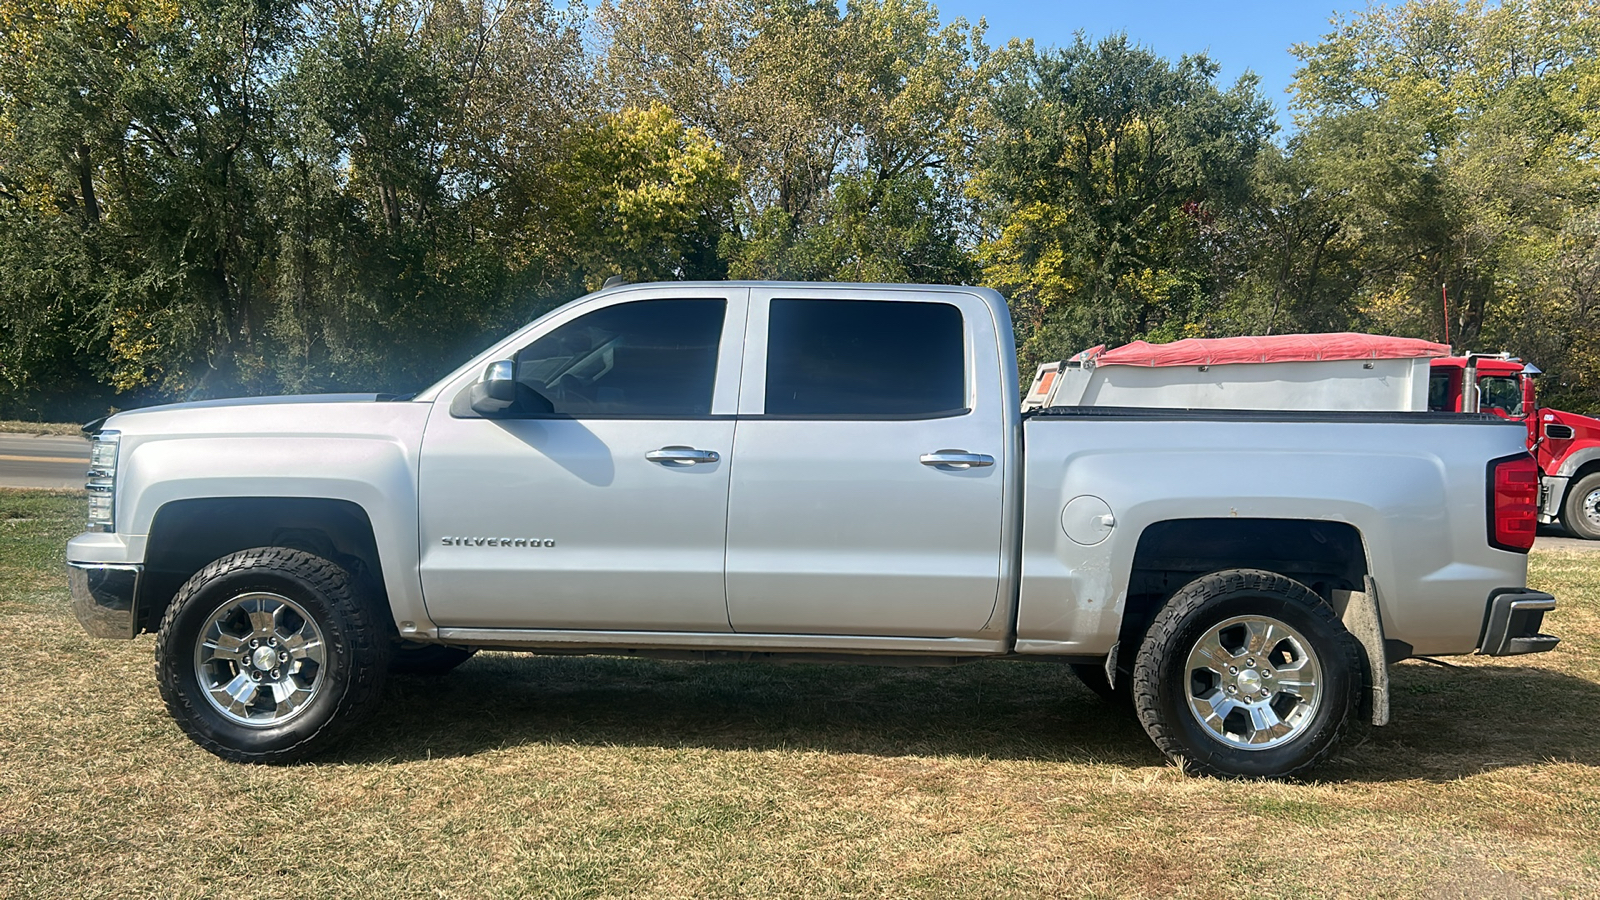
[(865, 358), (648, 358)]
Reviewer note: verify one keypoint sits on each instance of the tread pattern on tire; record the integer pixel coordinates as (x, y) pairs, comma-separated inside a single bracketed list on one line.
[(358, 624), (1173, 616)]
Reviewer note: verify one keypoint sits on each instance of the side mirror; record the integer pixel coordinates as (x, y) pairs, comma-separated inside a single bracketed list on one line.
[(497, 391)]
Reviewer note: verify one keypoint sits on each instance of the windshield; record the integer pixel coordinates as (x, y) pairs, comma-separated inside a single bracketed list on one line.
[(1500, 394)]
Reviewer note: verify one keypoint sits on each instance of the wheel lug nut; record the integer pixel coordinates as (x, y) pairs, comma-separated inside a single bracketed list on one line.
[(276, 673), (1233, 670), (254, 643), (1233, 689), (282, 656), (1251, 663), (255, 676), (272, 642)]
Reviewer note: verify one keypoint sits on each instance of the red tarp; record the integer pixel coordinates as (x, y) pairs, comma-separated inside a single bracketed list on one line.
[(1277, 348)]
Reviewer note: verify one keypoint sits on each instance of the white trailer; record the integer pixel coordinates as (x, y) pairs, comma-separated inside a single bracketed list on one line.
[(1343, 371)]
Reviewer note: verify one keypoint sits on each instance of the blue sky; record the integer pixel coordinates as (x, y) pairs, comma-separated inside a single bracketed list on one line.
[(1239, 36)]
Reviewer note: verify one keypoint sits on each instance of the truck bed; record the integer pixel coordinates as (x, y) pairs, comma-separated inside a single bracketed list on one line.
[(1407, 488)]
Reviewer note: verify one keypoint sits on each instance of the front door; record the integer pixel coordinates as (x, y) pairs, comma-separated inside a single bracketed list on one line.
[(601, 502), (870, 465)]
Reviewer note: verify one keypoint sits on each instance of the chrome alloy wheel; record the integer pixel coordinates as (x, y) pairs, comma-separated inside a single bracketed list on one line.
[(259, 659), (1591, 508), (1253, 682)]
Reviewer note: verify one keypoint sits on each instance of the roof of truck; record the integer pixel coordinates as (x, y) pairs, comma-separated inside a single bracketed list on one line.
[(1270, 349), (1488, 366)]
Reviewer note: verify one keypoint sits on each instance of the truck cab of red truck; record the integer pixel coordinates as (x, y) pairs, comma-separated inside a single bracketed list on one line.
[(1566, 445)]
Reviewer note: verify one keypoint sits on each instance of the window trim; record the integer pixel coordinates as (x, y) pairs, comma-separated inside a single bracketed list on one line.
[(860, 417), (461, 408)]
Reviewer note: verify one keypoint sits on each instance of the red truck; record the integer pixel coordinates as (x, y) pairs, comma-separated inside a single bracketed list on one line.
[(1566, 445)]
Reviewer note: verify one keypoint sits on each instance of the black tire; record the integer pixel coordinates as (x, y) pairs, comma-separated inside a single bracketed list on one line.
[(1094, 678), (1299, 637), (1580, 515), (413, 658), (301, 607)]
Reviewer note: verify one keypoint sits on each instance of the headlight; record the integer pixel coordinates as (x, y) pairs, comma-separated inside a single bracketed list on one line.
[(102, 483)]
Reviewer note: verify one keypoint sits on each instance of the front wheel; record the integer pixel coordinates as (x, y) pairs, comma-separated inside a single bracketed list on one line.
[(1246, 673), (269, 655), (1581, 513)]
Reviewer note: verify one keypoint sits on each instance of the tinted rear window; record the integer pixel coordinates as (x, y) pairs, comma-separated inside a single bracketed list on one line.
[(865, 358)]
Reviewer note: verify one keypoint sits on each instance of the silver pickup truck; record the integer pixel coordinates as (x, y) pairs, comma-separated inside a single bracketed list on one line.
[(801, 471)]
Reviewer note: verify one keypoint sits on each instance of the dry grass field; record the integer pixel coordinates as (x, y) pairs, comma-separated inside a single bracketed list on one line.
[(522, 776)]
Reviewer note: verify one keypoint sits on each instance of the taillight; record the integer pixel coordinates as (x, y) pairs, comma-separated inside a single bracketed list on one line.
[(1513, 502)]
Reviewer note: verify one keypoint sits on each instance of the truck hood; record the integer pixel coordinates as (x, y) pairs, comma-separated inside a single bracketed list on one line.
[(1585, 429), (1576, 420), (292, 414)]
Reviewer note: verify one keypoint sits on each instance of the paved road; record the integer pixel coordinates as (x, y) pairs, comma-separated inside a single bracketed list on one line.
[(49, 461), (1554, 537)]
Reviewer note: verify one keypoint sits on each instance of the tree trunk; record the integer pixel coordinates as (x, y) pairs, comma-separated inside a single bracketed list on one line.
[(91, 206)]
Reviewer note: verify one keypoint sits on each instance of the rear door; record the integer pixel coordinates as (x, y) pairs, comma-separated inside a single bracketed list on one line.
[(867, 491)]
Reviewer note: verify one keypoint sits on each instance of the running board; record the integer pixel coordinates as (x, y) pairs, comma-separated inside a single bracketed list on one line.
[(595, 641)]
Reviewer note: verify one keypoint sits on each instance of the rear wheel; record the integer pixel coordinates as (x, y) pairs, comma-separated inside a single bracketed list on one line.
[(1246, 673), (269, 655), (1581, 514)]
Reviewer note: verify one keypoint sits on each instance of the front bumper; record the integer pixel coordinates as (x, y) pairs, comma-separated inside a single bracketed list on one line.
[(1513, 622), (105, 598)]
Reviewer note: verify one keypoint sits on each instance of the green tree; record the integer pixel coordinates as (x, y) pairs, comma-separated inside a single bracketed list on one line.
[(1287, 268), (1461, 139), (249, 195), (145, 126), (1104, 175), (649, 198), (846, 128)]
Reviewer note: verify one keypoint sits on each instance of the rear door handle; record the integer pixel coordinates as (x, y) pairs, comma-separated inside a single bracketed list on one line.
[(957, 459), (682, 456)]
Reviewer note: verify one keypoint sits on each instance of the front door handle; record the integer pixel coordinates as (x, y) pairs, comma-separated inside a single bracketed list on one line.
[(957, 459), (682, 456)]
